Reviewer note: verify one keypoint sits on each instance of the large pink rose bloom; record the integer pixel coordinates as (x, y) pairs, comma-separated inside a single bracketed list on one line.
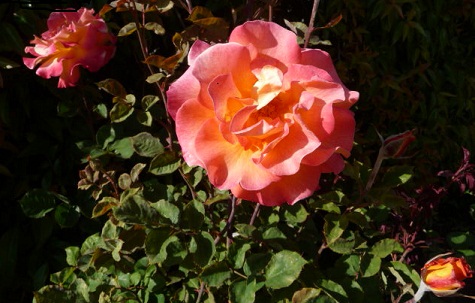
[(73, 39), (264, 117)]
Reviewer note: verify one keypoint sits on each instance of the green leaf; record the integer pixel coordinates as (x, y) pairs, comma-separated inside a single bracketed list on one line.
[(48, 294), (120, 112), (165, 163), (105, 135), (144, 117), (283, 269), (295, 214), (204, 249), (256, 263), (104, 206), (124, 181), (67, 215), (370, 265), (167, 210), (344, 244), (244, 291), (72, 255), (333, 290), (407, 271), (155, 78), (334, 227), (90, 244), (147, 145), (155, 27), (237, 253), (123, 148), (149, 100), (136, 210), (216, 274), (65, 276), (113, 87), (101, 110), (37, 203), (156, 243), (136, 170), (127, 29), (386, 246), (273, 232), (397, 175), (305, 295), (193, 215)]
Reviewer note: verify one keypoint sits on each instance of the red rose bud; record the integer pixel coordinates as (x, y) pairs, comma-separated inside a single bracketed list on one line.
[(395, 146), (444, 276)]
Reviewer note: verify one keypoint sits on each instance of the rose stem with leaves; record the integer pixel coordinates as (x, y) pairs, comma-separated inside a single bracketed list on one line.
[(310, 27), (228, 230)]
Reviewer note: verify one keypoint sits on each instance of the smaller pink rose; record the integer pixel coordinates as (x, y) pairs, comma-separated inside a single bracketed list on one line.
[(73, 39)]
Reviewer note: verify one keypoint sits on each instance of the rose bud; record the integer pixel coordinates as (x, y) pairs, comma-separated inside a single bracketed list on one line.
[(395, 146), (444, 276)]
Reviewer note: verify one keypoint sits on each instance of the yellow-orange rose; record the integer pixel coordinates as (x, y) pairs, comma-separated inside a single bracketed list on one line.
[(263, 116), (444, 276)]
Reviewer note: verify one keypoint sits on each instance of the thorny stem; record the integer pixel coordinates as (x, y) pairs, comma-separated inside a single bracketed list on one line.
[(229, 224), (200, 292), (310, 27), (270, 12), (374, 172), (255, 214)]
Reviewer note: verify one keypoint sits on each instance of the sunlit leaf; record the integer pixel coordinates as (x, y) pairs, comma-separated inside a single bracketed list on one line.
[(384, 247), (199, 12), (144, 117), (167, 210), (147, 145), (113, 87), (216, 274), (165, 163), (370, 265), (104, 206), (305, 295), (334, 227), (155, 27), (333, 290), (244, 291), (127, 29), (120, 112), (283, 269)]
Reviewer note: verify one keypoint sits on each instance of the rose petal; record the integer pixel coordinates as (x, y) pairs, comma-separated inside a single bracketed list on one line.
[(224, 95), (190, 117), (268, 39), (196, 49), (289, 189), (228, 164), (185, 88)]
